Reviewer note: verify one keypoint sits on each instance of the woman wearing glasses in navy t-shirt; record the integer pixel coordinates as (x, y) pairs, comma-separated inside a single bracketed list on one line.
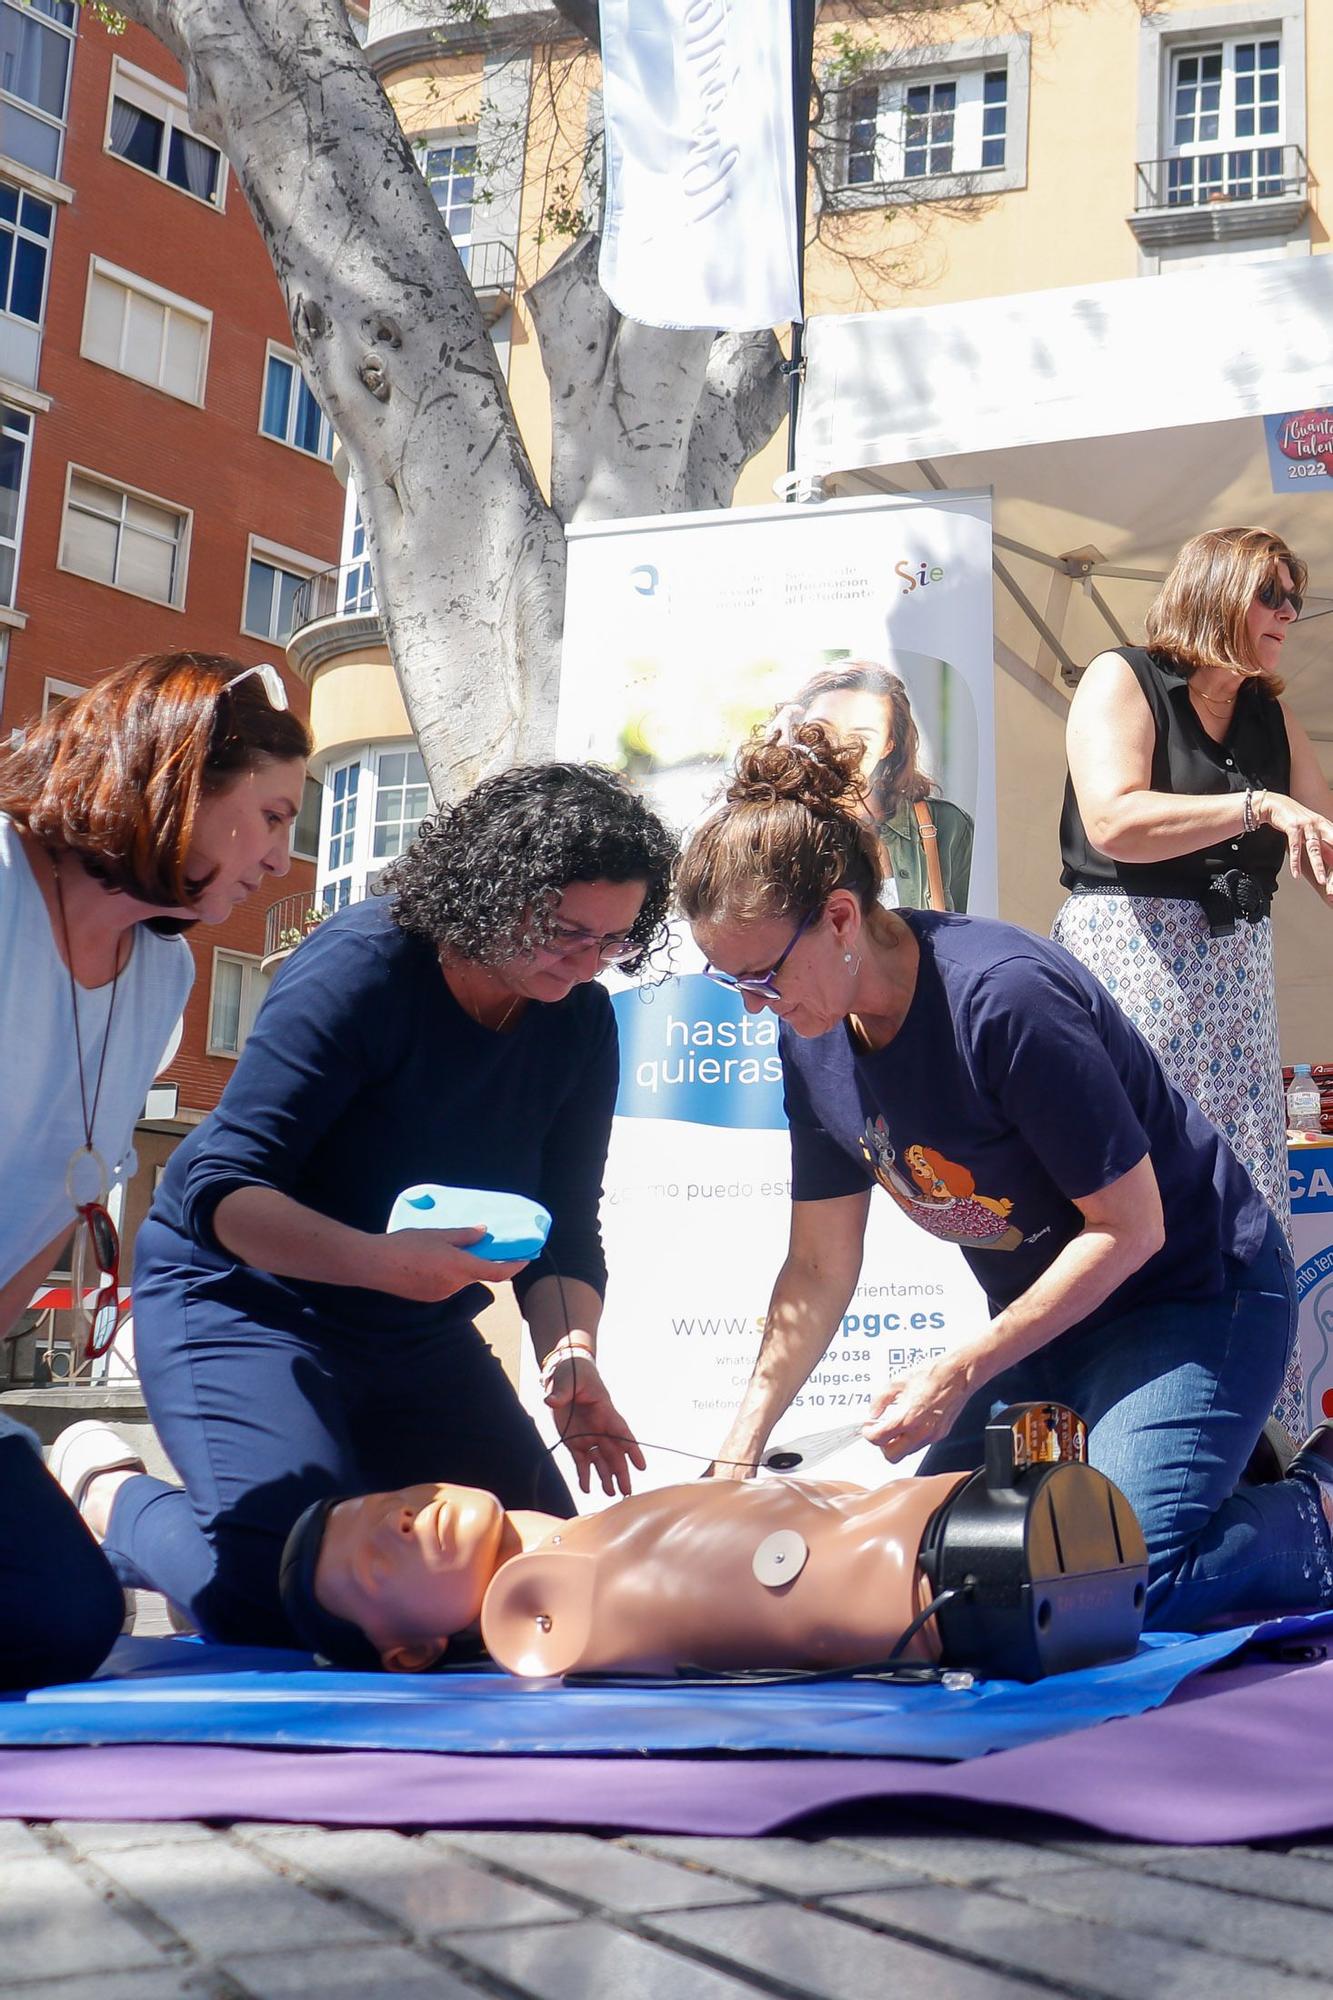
[(982, 1080), (160, 798)]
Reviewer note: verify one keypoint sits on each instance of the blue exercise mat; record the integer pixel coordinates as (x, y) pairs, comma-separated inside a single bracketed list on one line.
[(183, 1691)]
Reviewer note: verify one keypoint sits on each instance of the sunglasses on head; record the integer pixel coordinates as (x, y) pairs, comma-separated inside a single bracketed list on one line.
[(269, 679), (98, 1304), (1272, 596)]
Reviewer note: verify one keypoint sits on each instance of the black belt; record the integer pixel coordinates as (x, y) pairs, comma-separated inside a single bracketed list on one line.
[(1226, 899)]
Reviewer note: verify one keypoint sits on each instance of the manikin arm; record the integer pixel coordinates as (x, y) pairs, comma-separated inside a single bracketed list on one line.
[(809, 1299)]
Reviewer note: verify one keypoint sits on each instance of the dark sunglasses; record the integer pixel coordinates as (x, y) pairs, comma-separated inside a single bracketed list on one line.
[(1272, 596), (101, 1313)]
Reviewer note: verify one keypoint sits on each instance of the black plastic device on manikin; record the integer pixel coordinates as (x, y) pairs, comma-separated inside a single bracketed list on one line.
[(1045, 1556)]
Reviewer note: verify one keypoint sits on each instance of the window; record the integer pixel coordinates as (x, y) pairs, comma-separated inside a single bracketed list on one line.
[(358, 593), (305, 830), (127, 539), (450, 167), (239, 987), (947, 115), (25, 243), (290, 413), (343, 786), (15, 439), (902, 130), (402, 800), (36, 44), (55, 692), (148, 128), (140, 330), (1225, 125), (270, 593)]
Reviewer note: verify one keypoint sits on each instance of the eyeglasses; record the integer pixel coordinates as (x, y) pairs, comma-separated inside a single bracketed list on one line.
[(102, 1315), (1272, 596), (565, 939), (269, 679), (764, 984)]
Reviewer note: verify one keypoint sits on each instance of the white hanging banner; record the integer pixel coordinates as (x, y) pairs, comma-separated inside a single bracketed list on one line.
[(700, 225), (681, 634)]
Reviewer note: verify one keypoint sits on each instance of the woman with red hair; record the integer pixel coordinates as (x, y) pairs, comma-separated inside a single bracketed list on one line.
[(161, 798)]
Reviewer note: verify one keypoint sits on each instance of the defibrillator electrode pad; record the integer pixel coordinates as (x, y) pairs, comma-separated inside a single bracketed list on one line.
[(516, 1227)]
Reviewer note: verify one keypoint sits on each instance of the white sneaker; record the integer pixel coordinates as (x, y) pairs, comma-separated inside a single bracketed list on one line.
[(84, 1450)]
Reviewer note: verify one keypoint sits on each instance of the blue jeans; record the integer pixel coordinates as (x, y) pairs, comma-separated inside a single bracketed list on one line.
[(259, 1421), (1174, 1395), (61, 1608)]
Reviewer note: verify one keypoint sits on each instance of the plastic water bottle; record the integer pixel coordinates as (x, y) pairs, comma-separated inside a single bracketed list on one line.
[(1303, 1103)]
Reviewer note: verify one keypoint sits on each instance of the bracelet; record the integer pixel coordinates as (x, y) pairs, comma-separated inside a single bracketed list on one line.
[(1251, 824), (564, 1351)]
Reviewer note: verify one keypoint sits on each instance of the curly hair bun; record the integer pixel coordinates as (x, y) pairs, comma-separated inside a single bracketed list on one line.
[(812, 767)]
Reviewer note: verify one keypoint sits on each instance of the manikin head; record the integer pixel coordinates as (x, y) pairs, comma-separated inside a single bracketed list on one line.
[(388, 1579)]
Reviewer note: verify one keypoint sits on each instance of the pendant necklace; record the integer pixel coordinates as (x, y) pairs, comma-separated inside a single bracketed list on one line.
[(493, 1028), (85, 1162)]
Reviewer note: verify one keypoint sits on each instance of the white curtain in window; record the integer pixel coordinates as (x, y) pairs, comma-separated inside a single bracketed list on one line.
[(224, 1028), (104, 321), (124, 124), (183, 357)]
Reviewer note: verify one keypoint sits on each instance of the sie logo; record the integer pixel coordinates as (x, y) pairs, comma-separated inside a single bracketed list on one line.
[(917, 575)]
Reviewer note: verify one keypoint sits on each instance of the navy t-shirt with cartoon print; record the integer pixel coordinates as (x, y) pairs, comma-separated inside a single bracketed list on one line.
[(1014, 1087)]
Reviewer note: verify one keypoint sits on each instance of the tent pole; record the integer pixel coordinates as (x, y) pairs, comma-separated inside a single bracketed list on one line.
[(802, 77)]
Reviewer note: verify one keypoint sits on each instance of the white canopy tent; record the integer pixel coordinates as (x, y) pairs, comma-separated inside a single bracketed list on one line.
[(1110, 422)]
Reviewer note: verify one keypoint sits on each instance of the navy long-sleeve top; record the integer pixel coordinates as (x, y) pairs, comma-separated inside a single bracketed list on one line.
[(363, 1076)]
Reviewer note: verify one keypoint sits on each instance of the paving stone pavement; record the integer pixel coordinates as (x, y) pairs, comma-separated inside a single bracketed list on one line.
[(881, 1904)]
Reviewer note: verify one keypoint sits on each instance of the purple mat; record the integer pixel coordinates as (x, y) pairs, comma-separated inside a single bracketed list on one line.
[(1241, 1755)]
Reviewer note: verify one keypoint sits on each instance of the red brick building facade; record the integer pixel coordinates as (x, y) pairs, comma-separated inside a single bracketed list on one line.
[(164, 475)]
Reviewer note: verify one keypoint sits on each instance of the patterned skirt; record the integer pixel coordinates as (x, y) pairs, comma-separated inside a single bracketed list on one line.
[(1208, 1007)]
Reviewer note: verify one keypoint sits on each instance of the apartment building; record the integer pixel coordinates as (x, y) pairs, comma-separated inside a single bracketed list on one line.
[(978, 153), (164, 472)]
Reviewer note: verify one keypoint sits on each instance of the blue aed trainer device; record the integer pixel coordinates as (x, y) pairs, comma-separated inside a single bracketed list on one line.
[(516, 1227)]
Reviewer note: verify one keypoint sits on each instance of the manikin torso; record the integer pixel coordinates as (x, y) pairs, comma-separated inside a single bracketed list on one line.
[(721, 1574)]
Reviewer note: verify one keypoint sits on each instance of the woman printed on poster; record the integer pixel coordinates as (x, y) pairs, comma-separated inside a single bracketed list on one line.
[(926, 839)]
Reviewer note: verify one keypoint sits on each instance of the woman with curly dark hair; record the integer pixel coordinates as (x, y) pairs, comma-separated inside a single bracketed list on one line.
[(448, 1031)]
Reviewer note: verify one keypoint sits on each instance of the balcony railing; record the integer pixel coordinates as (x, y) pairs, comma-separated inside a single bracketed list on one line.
[(345, 592), (1232, 174), (491, 267), (287, 922)]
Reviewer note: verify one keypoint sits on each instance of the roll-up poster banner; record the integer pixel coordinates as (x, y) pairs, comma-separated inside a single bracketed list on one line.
[(683, 633)]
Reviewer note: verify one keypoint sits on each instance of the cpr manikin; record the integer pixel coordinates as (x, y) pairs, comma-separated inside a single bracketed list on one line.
[(1041, 1563)]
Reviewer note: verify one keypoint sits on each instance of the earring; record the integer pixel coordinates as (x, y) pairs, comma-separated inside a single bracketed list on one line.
[(847, 960)]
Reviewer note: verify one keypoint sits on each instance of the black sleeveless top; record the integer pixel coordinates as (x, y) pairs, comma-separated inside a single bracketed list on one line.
[(1186, 760)]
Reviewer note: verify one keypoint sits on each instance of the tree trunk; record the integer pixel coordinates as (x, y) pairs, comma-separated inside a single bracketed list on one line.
[(646, 420), (468, 558)]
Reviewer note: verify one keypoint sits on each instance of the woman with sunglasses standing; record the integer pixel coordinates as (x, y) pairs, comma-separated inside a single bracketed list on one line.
[(983, 1081), (448, 1031), (1190, 784), (160, 798)]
